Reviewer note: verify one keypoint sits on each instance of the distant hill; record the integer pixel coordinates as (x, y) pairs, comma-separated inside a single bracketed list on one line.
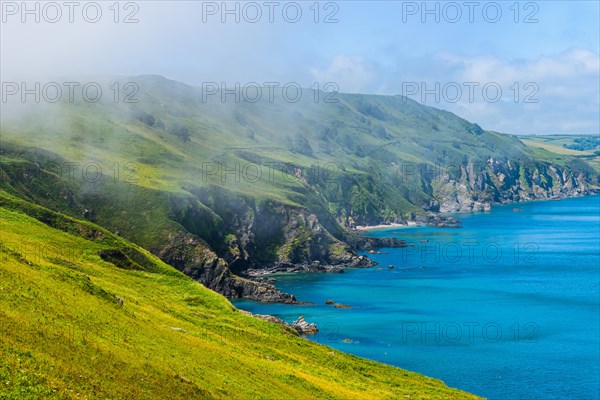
[(586, 147)]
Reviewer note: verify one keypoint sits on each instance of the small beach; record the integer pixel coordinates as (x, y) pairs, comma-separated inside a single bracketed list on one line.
[(385, 226)]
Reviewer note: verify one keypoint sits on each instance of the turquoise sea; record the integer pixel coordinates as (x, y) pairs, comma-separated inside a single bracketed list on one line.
[(506, 307)]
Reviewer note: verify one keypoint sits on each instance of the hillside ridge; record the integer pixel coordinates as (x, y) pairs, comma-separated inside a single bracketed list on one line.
[(221, 189)]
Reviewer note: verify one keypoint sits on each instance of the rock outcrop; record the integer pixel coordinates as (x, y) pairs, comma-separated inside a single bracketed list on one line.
[(360, 242), (259, 239), (303, 327), (299, 326), (193, 257)]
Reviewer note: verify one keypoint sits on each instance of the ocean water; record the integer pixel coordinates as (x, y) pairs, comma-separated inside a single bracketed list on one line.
[(506, 307)]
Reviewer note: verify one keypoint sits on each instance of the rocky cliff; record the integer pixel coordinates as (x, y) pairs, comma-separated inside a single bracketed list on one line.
[(472, 187)]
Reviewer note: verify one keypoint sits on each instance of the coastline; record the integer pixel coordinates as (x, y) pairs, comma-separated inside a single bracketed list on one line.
[(365, 242), (412, 224)]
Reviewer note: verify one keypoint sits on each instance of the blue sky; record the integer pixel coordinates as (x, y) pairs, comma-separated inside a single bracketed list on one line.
[(547, 70)]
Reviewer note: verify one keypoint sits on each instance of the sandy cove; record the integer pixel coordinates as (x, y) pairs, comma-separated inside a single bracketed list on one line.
[(384, 226)]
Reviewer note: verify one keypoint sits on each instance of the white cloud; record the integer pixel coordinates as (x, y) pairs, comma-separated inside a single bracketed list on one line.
[(353, 74), (566, 65), (549, 94)]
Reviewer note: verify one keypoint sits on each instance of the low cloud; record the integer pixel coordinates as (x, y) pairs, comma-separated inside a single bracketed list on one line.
[(555, 93), (352, 74)]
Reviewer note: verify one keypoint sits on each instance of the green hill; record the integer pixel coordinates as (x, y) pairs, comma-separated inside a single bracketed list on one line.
[(217, 188), (85, 314)]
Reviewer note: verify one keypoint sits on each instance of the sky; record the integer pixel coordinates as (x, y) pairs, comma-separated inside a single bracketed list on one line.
[(515, 67)]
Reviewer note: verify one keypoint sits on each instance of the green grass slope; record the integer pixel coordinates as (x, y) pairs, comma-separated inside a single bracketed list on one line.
[(584, 147), (64, 332)]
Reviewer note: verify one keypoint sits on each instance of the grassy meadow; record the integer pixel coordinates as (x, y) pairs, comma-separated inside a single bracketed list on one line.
[(65, 334)]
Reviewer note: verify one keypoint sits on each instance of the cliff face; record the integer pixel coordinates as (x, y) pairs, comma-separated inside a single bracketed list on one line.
[(503, 181), (193, 257), (269, 236)]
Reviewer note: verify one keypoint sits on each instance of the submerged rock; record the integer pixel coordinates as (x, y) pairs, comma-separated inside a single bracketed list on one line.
[(342, 306)]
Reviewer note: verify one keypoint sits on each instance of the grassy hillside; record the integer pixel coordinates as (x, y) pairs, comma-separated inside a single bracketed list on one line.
[(585, 147), (173, 139), (64, 332)]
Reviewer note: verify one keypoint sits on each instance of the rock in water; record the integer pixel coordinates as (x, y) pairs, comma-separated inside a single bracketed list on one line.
[(299, 326), (342, 306), (303, 327)]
